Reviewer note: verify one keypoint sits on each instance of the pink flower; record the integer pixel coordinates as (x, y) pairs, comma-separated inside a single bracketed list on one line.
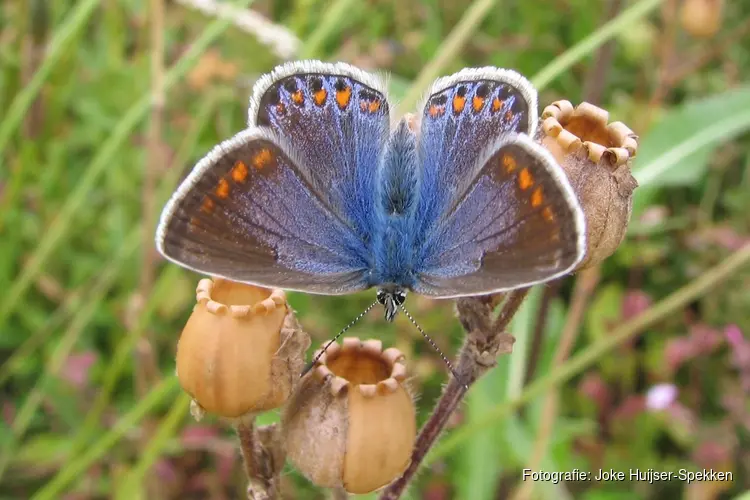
[(77, 367), (661, 396), (734, 336)]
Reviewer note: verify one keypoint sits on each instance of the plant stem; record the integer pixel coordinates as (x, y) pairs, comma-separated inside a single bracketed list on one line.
[(485, 339), (263, 458)]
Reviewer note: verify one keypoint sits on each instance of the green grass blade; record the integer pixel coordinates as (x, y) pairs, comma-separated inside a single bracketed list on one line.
[(76, 467), (592, 42), (55, 50), (157, 443), (333, 19), (457, 38), (63, 221), (62, 351)]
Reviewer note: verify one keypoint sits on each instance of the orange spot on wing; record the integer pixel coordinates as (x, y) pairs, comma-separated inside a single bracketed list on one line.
[(436, 110), (262, 158), (222, 190), (497, 103), (239, 172), (343, 96), (477, 103), (525, 179), (548, 215), (297, 97), (208, 205), (509, 163), (537, 198), (374, 106), (280, 108), (320, 97), (508, 115), (458, 103)]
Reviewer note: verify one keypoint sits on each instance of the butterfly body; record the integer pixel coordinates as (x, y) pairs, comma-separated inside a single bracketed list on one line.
[(326, 193)]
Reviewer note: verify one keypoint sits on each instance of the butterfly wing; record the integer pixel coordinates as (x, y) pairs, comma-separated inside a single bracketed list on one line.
[(496, 212), (248, 212), (337, 119), (462, 115), (301, 218)]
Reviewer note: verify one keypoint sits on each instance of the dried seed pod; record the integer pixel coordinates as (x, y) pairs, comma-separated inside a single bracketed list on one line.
[(242, 349), (701, 18), (352, 423), (596, 157)]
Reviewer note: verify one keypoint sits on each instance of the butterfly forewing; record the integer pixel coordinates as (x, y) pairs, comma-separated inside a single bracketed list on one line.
[(248, 213), (462, 115), (336, 117)]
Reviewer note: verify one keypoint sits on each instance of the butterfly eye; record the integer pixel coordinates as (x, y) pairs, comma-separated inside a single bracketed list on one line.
[(381, 296)]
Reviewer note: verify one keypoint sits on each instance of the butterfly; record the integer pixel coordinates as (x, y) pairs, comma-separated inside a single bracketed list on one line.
[(326, 192)]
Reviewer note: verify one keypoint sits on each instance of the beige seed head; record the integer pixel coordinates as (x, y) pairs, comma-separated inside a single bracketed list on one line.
[(241, 350), (596, 157), (352, 423)]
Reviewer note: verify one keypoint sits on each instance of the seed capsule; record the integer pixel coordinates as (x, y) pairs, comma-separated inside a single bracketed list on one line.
[(596, 157), (241, 350), (701, 18), (352, 423)]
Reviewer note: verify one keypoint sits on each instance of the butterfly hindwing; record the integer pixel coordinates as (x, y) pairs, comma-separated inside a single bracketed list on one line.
[(517, 224), (249, 212), (337, 119)]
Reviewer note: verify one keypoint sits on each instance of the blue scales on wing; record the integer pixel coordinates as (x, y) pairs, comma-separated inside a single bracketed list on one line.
[(288, 202), (495, 210), (336, 118)]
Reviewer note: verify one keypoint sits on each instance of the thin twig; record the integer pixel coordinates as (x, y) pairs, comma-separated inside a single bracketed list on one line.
[(485, 340), (584, 287)]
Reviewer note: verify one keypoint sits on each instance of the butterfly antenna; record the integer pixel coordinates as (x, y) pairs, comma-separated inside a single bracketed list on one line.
[(434, 346), (334, 339)]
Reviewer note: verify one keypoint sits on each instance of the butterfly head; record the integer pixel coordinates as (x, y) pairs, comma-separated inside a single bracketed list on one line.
[(391, 298)]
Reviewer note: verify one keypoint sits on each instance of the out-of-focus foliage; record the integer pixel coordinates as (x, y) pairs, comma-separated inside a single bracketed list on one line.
[(87, 350)]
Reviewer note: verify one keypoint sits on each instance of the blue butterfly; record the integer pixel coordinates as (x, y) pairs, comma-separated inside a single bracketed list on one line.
[(326, 193)]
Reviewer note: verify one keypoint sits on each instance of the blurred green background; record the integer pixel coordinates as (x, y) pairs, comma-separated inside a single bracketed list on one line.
[(90, 317)]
